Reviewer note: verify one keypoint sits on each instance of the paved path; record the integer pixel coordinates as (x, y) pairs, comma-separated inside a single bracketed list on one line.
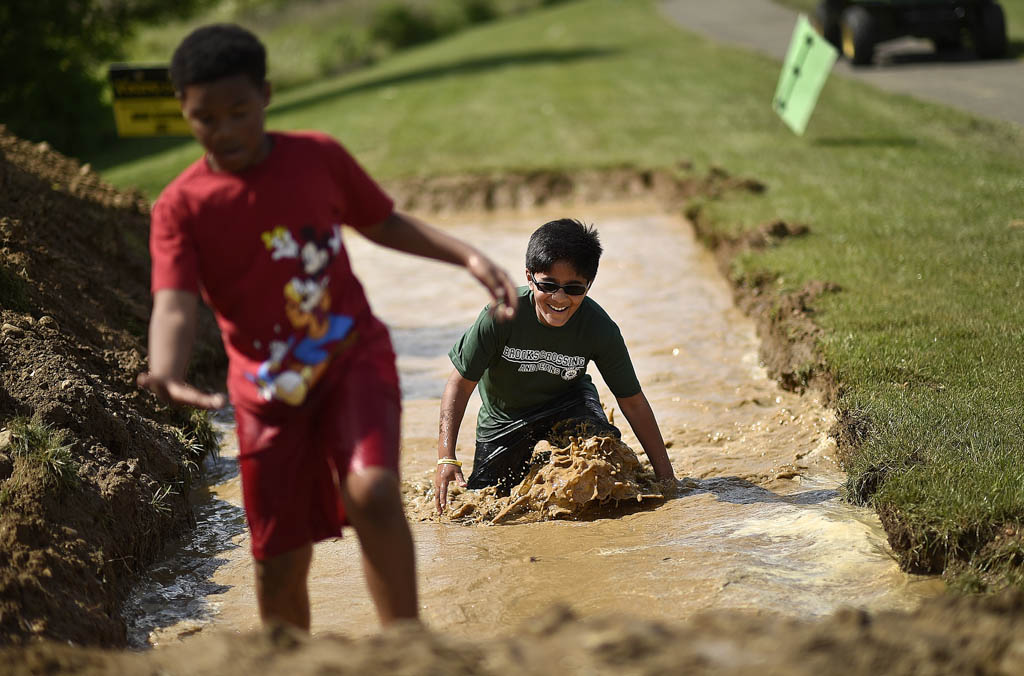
[(993, 89)]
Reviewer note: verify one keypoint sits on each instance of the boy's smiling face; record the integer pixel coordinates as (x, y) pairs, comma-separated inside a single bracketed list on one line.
[(555, 309), (227, 117)]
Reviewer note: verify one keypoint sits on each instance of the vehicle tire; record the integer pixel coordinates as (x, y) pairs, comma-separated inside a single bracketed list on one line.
[(857, 28), (990, 31), (947, 45), (826, 18)]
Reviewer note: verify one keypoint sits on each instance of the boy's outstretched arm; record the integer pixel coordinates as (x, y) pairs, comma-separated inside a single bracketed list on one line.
[(172, 331), (402, 232), (641, 418), (453, 408)]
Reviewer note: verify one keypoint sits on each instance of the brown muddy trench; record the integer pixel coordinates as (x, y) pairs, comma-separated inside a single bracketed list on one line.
[(761, 529)]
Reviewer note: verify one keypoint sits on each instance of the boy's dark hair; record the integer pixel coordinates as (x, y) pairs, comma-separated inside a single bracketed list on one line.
[(564, 240), (218, 50)]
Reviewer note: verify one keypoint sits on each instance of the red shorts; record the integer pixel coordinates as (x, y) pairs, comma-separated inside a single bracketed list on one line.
[(292, 468)]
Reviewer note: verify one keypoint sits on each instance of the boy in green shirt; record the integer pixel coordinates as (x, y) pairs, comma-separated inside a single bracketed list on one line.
[(532, 370)]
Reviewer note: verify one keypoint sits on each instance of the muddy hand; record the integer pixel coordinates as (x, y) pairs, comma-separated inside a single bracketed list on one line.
[(444, 475), (674, 487), (498, 283), (178, 392)]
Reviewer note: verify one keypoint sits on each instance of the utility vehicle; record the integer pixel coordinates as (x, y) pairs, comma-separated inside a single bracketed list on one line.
[(855, 27)]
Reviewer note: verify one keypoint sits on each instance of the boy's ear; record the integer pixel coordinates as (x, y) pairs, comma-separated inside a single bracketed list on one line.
[(266, 93)]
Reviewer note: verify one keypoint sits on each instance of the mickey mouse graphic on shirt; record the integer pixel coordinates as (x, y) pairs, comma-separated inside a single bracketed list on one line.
[(297, 363)]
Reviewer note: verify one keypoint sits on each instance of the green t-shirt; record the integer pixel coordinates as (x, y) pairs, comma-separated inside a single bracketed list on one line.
[(521, 364)]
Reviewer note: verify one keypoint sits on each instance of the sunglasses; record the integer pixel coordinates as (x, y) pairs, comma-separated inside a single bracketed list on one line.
[(551, 287)]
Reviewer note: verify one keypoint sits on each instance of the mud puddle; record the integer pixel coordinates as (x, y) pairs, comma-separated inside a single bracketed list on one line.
[(757, 524), (179, 591)]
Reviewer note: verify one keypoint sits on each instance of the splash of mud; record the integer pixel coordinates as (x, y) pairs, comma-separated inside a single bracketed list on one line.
[(577, 477)]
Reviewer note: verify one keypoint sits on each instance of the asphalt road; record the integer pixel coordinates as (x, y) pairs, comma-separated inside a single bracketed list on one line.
[(992, 89)]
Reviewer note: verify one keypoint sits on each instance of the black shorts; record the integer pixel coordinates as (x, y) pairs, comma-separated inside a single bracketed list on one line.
[(504, 459)]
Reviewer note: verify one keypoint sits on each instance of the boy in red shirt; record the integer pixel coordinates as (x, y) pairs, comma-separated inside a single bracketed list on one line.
[(254, 227)]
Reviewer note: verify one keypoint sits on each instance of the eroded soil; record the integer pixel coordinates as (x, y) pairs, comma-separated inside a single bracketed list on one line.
[(75, 302)]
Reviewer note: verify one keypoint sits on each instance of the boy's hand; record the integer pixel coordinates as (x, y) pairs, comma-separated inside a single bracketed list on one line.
[(498, 283), (178, 392), (444, 475)]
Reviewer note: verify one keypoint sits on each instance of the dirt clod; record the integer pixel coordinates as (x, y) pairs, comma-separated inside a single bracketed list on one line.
[(946, 636)]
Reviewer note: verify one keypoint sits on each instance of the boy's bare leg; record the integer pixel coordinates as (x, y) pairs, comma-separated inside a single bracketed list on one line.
[(373, 503), (281, 589)]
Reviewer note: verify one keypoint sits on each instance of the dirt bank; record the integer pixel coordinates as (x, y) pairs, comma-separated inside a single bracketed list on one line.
[(92, 472), (945, 636)]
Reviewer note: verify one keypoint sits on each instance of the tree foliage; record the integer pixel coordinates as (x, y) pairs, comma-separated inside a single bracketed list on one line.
[(52, 52)]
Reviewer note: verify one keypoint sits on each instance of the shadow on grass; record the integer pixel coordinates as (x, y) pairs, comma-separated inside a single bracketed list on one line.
[(865, 142), (124, 150), (467, 67)]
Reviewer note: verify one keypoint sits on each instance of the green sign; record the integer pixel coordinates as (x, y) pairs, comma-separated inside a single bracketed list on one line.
[(807, 65)]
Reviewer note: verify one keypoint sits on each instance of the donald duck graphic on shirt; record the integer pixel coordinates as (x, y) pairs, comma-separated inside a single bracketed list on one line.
[(296, 364)]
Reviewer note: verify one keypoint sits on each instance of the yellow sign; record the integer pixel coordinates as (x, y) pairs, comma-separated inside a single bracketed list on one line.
[(144, 102)]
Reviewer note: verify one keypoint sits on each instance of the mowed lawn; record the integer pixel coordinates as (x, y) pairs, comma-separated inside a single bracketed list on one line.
[(915, 211)]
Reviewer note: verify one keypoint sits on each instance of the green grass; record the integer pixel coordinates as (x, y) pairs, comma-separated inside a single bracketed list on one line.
[(196, 432), (914, 211), (308, 39), (198, 437), (13, 291), (1014, 10), (47, 449), (160, 499), (337, 31)]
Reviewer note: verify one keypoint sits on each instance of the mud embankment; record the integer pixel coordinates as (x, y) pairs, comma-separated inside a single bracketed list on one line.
[(93, 473)]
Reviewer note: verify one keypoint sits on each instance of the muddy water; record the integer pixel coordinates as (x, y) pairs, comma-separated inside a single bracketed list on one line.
[(760, 526)]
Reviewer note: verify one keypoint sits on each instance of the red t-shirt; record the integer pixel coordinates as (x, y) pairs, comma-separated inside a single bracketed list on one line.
[(264, 248)]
